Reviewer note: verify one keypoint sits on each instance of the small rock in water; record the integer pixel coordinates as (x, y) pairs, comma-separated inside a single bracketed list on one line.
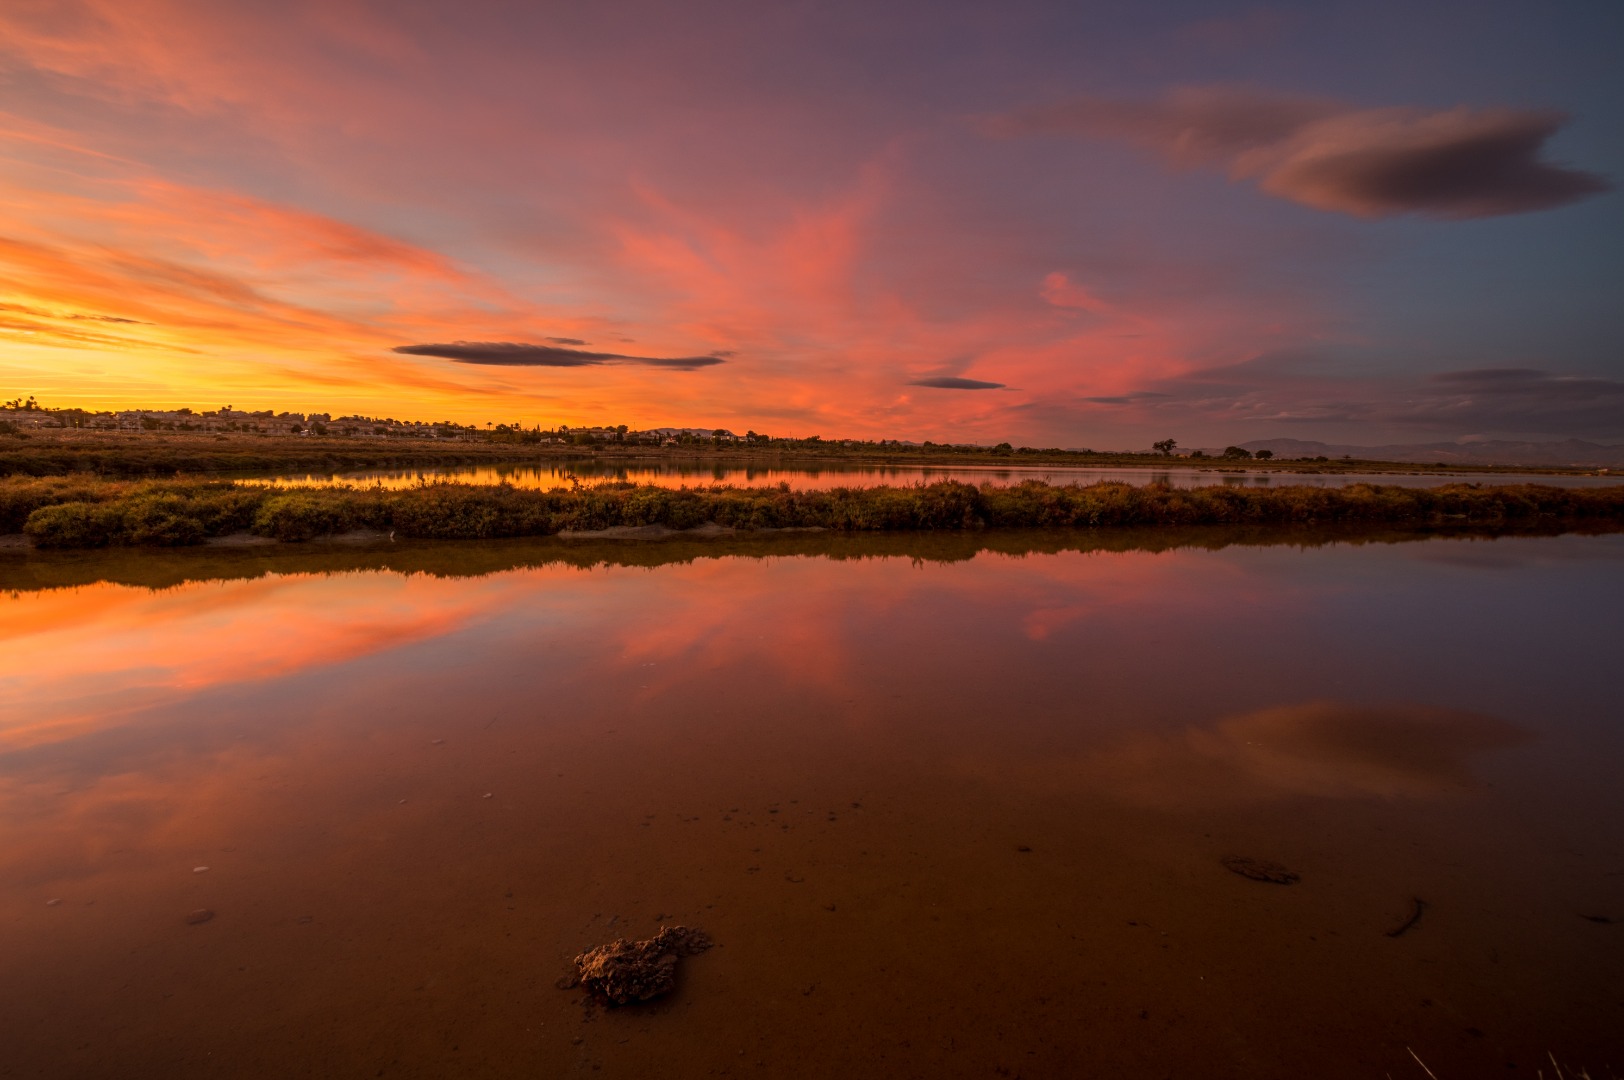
[(488, 795), (53, 903), (201, 915), (1259, 870), (199, 869), (623, 972)]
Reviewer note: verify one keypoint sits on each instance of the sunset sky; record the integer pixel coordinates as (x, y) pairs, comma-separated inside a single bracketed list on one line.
[(1059, 224)]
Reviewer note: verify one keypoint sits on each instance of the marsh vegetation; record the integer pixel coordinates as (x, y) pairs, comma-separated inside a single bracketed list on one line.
[(82, 511)]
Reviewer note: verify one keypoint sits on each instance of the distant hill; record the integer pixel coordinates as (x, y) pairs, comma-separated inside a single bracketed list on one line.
[(1574, 452)]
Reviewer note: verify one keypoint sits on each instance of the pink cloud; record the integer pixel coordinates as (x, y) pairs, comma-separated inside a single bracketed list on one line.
[(284, 195), (1061, 291)]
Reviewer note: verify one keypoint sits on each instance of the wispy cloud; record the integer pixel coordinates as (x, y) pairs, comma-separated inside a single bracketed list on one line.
[(1371, 163), (1507, 401), (515, 354)]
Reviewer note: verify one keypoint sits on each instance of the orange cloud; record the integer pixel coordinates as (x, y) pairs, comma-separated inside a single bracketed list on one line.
[(284, 196)]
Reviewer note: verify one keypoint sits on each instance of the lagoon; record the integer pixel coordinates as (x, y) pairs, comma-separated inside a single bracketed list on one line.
[(950, 806)]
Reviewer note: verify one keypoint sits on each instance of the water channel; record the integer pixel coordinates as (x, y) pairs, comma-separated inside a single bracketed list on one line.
[(549, 474)]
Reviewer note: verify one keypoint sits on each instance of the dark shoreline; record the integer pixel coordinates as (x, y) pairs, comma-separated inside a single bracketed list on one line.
[(24, 568), (117, 455)]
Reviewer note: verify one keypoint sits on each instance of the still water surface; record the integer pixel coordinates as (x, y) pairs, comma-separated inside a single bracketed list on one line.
[(549, 475), (947, 812)]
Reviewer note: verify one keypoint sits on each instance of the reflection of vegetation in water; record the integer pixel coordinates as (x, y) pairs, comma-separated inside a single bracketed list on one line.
[(87, 512), (158, 568)]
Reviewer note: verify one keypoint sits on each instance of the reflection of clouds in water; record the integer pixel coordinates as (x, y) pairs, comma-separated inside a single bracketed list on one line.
[(1325, 748), (1338, 749), (84, 660)]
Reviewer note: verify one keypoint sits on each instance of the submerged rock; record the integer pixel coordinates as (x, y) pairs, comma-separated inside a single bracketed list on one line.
[(1258, 870), (623, 972)]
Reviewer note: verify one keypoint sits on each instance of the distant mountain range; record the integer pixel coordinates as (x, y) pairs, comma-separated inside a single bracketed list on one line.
[(1574, 452)]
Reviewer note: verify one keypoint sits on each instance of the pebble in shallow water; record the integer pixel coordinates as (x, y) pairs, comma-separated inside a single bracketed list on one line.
[(201, 915)]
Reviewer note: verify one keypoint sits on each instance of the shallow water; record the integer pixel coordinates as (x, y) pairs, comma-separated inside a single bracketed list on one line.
[(947, 811), (550, 475)]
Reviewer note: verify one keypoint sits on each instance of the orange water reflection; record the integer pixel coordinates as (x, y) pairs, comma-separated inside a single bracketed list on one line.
[(81, 658), (88, 657), (559, 474), (415, 794)]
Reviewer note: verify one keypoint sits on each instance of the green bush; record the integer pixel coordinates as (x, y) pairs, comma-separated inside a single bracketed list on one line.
[(74, 525), (157, 518), (19, 498), (300, 515)]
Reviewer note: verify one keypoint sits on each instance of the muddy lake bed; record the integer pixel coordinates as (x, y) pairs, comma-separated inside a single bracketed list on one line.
[(946, 807)]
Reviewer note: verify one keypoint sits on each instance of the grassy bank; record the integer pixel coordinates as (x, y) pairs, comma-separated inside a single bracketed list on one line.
[(167, 454), (152, 455), (82, 512)]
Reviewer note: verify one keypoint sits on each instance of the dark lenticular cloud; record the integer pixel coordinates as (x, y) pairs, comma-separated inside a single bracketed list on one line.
[(954, 382), (1133, 398), (566, 341), (515, 354), (1372, 163)]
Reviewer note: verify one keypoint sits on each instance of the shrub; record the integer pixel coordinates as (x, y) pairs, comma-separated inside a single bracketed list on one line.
[(157, 518), (73, 525), (300, 515)]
